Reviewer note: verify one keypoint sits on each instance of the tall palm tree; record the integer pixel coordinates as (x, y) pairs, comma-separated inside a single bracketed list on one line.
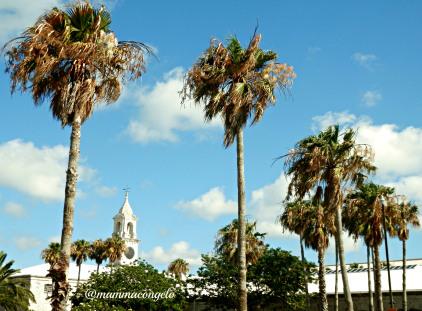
[(407, 215), (115, 248), (178, 267), (293, 219), (72, 60), (363, 217), (236, 83), (52, 253), (79, 252), (98, 252), (318, 226), (15, 294), (227, 237), (332, 160)]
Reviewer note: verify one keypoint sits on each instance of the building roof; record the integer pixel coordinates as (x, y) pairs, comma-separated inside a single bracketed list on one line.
[(358, 280), (42, 270)]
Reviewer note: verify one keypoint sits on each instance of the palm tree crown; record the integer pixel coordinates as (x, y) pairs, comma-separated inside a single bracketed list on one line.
[(178, 267), (52, 253), (236, 82), (115, 247), (98, 252), (72, 59), (226, 242)]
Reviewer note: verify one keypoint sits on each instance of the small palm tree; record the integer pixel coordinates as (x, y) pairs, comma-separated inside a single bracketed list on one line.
[(317, 227), (332, 160), (72, 59), (226, 242), (363, 217), (79, 252), (178, 267), (98, 252), (115, 248), (407, 215), (52, 253), (14, 292), (293, 219), (235, 83)]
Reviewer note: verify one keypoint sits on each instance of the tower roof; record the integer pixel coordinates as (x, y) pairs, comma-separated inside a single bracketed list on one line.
[(126, 209)]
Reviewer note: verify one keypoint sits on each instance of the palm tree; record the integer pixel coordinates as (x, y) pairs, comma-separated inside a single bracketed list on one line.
[(227, 237), (407, 214), (363, 217), (332, 160), (72, 59), (293, 219), (52, 253), (79, 252), (178, 267), (236, 83), (115, 248), (318, 226), (98, 252), (15, 294)]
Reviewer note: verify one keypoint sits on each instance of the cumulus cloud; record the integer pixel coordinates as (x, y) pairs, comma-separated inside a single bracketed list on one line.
[(36, 171), (210, 205), (364, 60), (105, 191), (181, 249), (266, 206), (161, 116), (371, 98), (14, 209), (27, 242), (17, 15)]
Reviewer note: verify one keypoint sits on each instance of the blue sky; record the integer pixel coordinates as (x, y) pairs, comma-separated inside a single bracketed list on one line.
[(358, 64)]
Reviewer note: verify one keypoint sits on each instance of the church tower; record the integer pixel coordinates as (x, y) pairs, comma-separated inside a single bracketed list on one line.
[(125, 227)]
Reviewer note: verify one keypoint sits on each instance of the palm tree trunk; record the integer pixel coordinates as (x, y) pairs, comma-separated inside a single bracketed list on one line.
[(323, 304), (368, 261), (388, 258), (379, 306), (98, 268), (302, 254), (336, 284), (70, 195), (339, 242), (404, 306), (243, 302), (79, 275)]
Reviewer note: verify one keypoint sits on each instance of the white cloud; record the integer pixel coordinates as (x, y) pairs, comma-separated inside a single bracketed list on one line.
[(210, 205), (349, 244), (365, 60), (371, 98), (27, 242), (331, 118), (266, 206), (16, 15), (181, 249), (36, 171), (161, 115), (54, 238), (14, 209)]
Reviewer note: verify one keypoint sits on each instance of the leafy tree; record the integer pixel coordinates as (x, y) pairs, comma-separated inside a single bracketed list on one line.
[(276, 279), (226, 242), (236, 83), (141, 278), (79, 252), (178, 267), (14, 292), (98, 252), (72, 59), (333, 161)]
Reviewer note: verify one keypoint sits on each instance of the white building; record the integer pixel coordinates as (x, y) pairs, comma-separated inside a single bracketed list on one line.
[(41, 286)]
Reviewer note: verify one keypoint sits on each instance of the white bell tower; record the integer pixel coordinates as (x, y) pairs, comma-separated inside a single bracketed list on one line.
[(125, 227)]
